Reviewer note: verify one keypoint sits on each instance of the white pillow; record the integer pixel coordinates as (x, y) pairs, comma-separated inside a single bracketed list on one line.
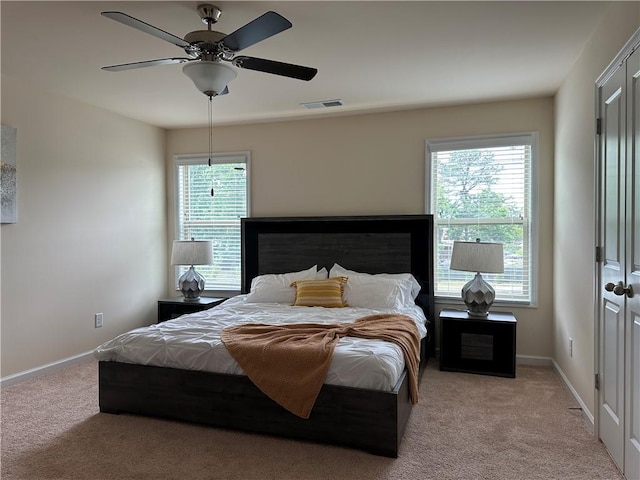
[(410, 288), (322, 274), (276, 288), (374, 292), (414, 286)]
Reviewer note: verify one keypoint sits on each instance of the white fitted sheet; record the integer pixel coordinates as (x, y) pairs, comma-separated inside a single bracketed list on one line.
[(192, 342)]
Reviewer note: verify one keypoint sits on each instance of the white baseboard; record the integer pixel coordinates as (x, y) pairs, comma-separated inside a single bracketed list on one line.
[(534, 360), (50, 367), (588, 416)]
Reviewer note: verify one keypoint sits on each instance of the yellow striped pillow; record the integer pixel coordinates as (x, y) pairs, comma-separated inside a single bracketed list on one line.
[(320, 293)]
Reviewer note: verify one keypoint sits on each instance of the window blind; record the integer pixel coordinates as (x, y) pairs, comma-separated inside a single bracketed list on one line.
[(483, 187), (204, 217)]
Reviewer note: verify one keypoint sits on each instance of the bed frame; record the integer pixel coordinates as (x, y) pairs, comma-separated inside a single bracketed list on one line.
[(370, 420)]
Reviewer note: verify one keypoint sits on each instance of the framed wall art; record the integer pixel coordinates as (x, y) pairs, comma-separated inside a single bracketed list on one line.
[(9, 213)]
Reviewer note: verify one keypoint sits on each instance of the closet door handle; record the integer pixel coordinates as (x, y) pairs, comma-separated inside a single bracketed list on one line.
[(619, 289)]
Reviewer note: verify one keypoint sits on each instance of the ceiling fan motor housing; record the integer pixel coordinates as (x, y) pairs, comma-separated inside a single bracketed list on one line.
[(206, 41)]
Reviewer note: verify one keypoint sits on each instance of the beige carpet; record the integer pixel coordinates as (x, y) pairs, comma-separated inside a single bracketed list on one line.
[(465, 427)]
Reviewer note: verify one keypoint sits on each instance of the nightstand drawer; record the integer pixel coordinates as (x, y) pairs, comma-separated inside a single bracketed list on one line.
[(476, 346)]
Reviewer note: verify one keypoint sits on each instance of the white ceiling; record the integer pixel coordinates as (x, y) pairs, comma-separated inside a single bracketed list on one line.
[(373, 55)]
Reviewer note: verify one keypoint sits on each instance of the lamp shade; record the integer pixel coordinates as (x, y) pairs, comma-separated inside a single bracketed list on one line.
[(477, 256), (192, 252), (210, 78)]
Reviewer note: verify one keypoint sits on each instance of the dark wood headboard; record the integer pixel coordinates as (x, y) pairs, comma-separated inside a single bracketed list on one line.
[(371, 244)]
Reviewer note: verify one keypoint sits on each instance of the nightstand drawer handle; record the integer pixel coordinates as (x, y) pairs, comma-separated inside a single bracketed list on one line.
[(619, 289)]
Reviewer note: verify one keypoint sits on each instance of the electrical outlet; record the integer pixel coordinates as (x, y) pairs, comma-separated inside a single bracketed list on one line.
[(98, 320), (570, 347)]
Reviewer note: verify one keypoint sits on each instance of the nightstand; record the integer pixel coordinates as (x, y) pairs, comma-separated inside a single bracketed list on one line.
[(484, 345), (169, 308)]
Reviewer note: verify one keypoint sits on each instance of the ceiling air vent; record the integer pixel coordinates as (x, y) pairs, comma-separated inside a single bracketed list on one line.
[(324, 104)]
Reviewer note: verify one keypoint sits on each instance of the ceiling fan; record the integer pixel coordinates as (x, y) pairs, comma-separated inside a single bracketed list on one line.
[(206, 49)]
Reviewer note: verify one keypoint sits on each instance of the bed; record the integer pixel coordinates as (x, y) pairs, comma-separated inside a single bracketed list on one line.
[(365, 418)]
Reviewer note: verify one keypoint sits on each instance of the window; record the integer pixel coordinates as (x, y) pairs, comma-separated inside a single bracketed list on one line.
[(203, 217), (483, 187)]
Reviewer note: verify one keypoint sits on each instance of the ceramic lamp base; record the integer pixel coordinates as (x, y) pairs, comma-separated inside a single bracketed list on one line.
[(191, 284), (478, 296)]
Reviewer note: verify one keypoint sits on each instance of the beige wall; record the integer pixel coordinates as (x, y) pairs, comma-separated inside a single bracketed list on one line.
[(91, 230), (574, 206), (375, 164)]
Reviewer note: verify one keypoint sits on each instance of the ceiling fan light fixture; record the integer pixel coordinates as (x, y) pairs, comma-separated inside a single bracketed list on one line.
[(209, 76)]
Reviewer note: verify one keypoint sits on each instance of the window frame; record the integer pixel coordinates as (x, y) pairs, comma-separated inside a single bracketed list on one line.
[(490, 141), (203, 159)]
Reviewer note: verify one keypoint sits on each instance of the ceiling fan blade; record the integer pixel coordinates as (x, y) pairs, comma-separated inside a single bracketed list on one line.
[(224, 92), (276, 68), (147, 63), (255, 31), (145, 27)]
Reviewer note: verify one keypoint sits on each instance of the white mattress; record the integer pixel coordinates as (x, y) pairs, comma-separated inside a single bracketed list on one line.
[(192, 342)]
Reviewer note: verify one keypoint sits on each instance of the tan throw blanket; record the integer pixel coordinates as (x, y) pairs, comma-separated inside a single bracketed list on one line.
[(289, 363)]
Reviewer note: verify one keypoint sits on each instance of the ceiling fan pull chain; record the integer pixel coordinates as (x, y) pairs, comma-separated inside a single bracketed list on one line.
[(210, 129), (211, 136)]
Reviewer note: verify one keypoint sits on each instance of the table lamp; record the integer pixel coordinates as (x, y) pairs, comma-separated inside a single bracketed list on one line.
[(192, 252), (479, 257)]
